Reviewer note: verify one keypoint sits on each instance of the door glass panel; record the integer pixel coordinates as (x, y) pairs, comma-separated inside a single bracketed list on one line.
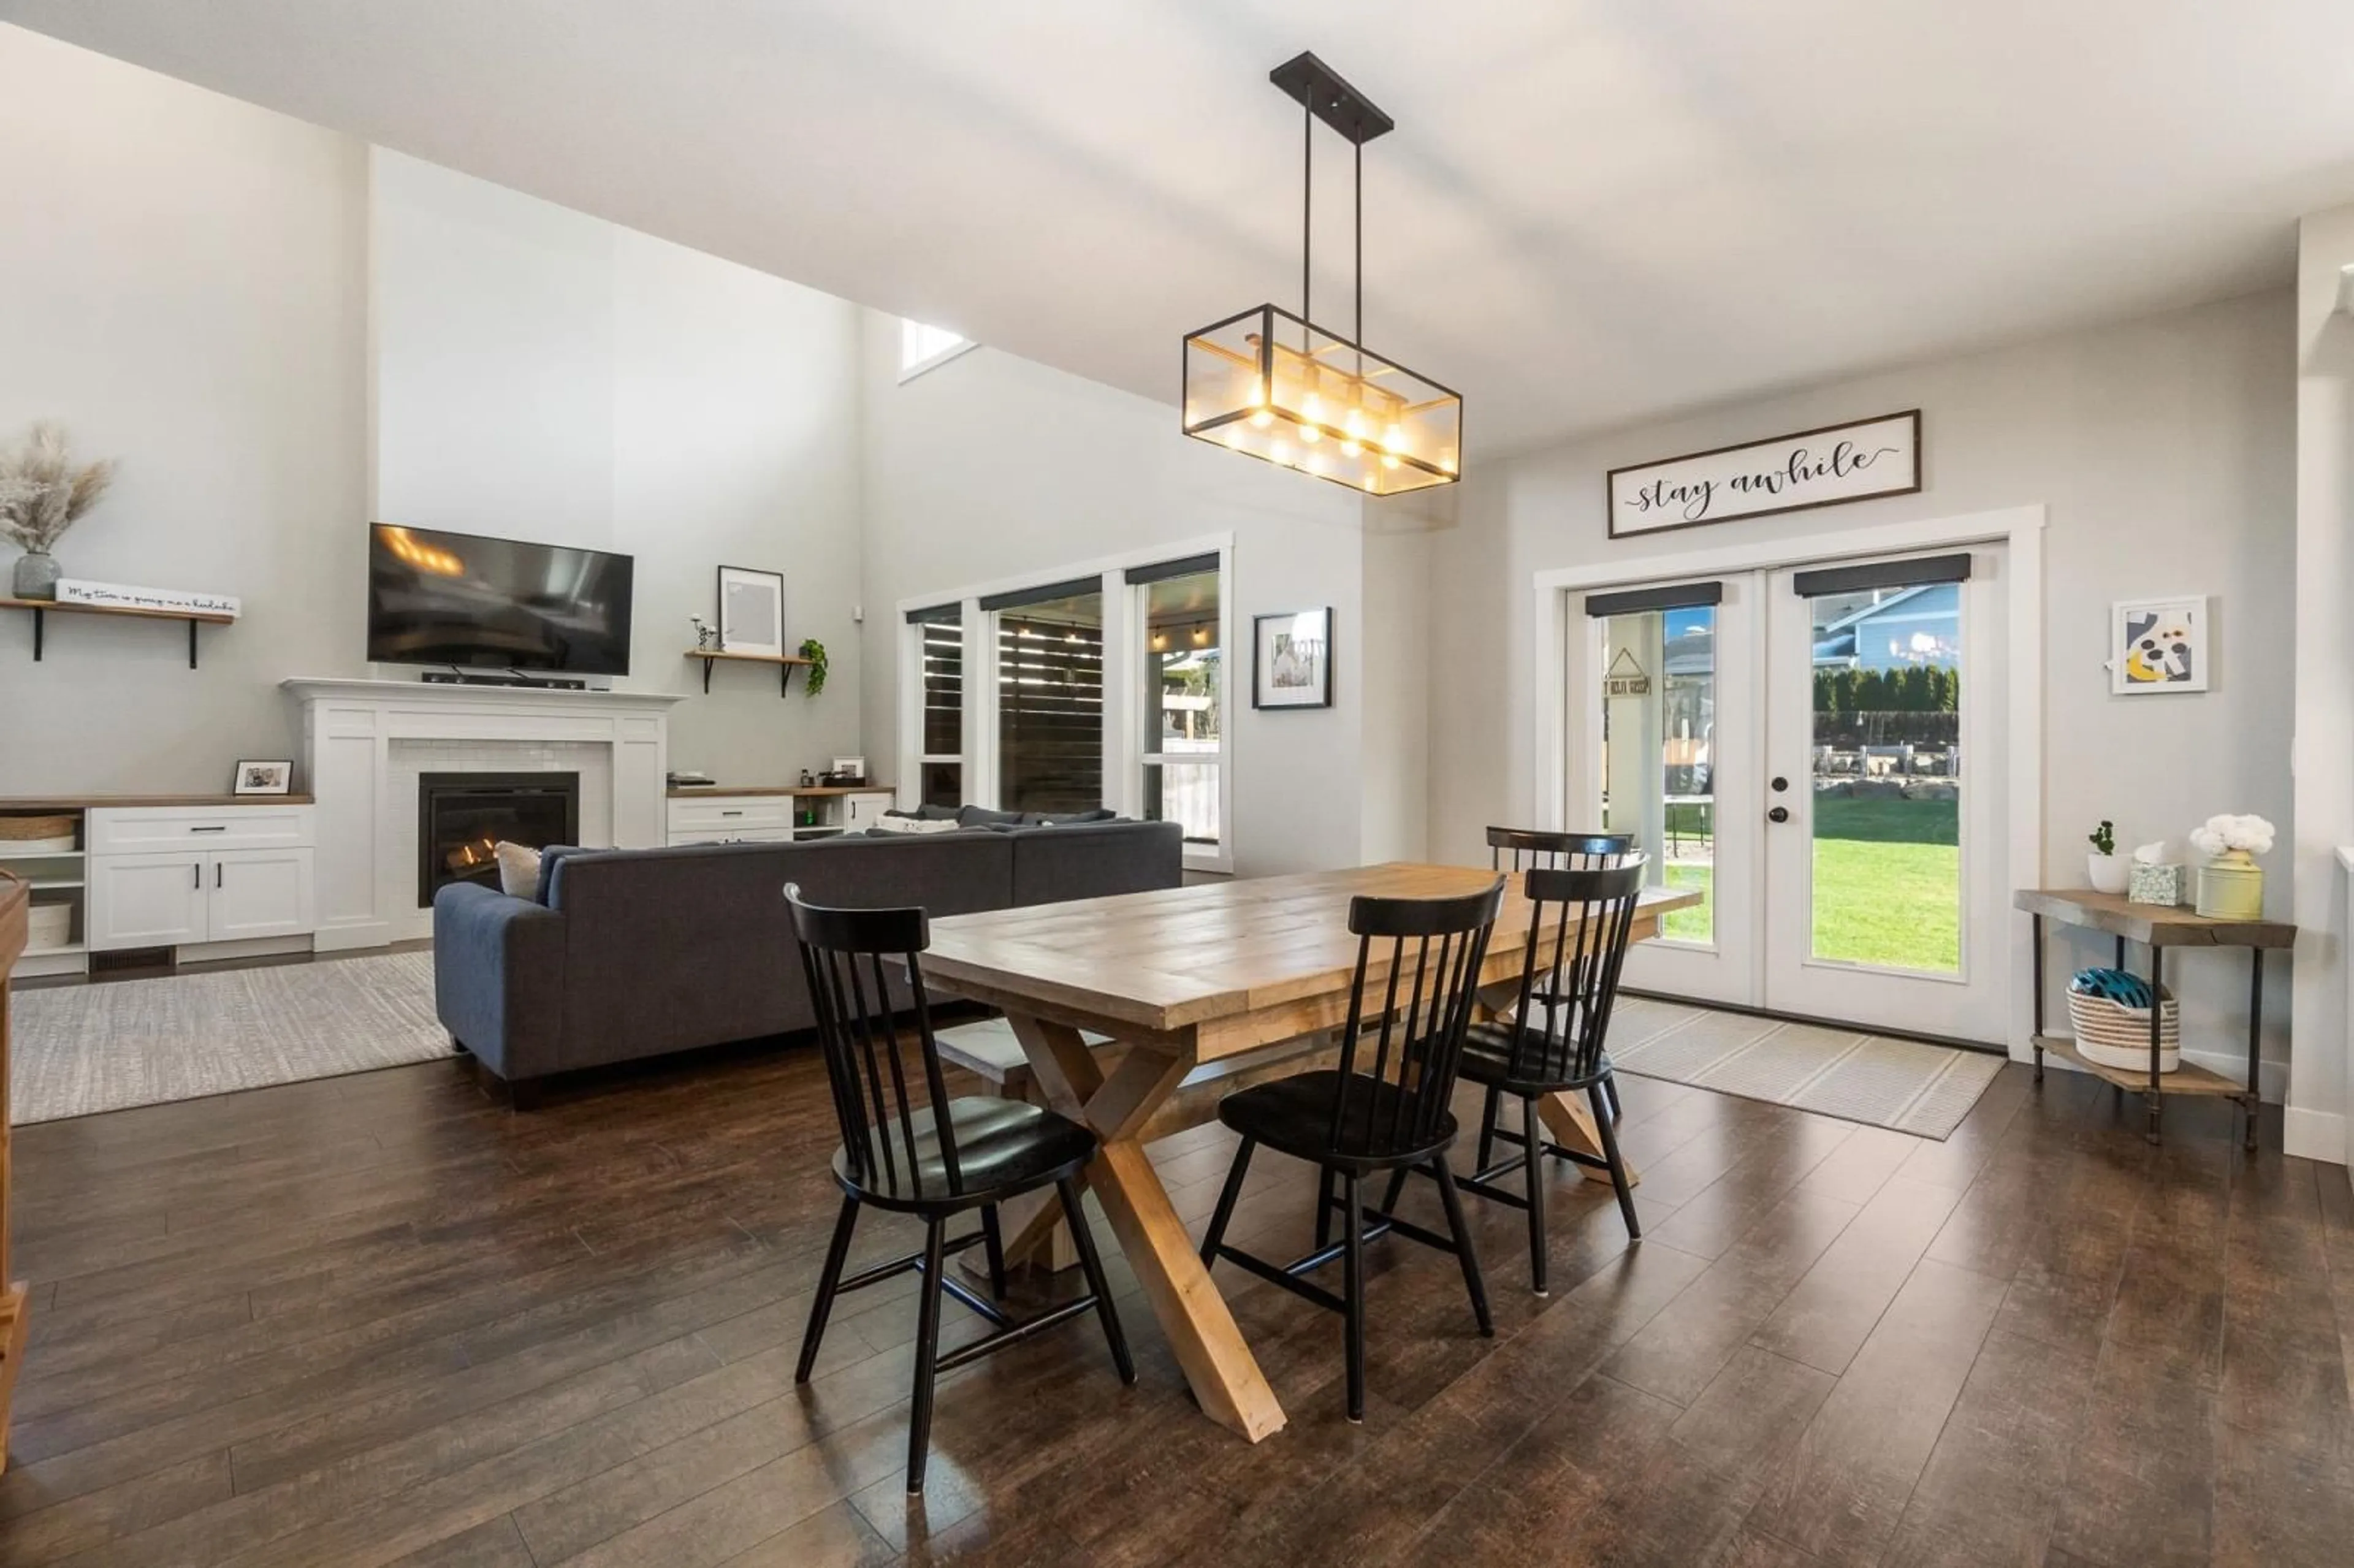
[(1658, 724), (1183, 732), (1887, 886), (1050, 705)]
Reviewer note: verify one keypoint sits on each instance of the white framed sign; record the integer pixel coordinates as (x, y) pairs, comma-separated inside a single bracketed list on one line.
[(1825, 467), (122, 596)]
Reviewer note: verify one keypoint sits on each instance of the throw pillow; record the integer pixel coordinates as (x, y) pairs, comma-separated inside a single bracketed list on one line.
[(518, 870), (981, 817), (890, 825)]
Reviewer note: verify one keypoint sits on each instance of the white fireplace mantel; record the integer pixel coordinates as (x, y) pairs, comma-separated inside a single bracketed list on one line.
[(353, 730)]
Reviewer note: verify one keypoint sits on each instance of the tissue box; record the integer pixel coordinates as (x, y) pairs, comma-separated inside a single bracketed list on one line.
[(2155, 885)]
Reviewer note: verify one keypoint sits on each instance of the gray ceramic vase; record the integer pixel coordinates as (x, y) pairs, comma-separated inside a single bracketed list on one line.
[(36, 575)]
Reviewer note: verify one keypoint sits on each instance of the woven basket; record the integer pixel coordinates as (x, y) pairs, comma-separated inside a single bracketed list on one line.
[(30, 835), (2116, 1035)]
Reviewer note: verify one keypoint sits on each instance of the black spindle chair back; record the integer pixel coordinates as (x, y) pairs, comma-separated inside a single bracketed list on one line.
[(1579, 923), (844, 953), (1421, 959), (1532, 850)]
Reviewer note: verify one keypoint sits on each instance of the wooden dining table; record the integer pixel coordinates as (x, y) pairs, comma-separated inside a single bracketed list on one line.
[(1202, 991)]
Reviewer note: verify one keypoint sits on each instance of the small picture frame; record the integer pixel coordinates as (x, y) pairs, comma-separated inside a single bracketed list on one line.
[(2157, 645), (265, 777), (848, 768), (1292, 659), (751, 611)]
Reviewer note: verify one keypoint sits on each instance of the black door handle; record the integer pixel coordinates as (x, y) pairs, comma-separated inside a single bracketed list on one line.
[(1779, 814)]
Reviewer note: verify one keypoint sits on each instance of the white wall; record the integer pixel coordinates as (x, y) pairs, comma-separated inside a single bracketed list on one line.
[(2318, 1117), (547, 376), (991, 466), (185, 285), (2163, 450)]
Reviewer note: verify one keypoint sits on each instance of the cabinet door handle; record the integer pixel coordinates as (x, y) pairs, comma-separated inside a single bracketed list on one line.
[(217, 873), (731, 813), (197, 875), (211, 828)]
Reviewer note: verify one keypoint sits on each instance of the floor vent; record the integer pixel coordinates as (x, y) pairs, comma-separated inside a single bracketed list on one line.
[(114, 960)]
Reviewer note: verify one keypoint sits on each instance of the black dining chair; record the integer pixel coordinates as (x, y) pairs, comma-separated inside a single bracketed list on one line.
[(910, 1149), (1533, 849), (1554, 1042), (1411, 1003)]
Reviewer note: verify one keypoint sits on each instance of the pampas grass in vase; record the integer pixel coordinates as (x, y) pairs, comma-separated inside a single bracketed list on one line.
[(42, 494)]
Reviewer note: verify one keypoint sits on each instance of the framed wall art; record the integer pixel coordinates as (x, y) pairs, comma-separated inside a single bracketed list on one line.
[(1292, 659)]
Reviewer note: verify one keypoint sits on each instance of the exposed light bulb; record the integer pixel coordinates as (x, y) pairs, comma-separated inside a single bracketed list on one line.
[(1310, 434), (1356, 424), (1388, 461), (1395, 439), (1262, 419), (1280, 452), (1311, 410)]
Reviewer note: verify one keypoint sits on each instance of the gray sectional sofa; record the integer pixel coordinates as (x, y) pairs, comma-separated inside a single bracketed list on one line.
[(637, 953)]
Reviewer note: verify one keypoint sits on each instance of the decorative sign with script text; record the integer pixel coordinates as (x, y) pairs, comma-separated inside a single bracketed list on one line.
[(1624, 678), (167, 602), (1814, 467)]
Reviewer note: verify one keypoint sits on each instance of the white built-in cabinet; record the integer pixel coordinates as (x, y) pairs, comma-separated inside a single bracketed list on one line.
[(772, 816), (181, 876)]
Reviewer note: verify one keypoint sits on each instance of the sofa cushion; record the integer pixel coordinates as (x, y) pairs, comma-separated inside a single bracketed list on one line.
[(927, 813), (1061, 819), (1090, 860), (982, 817)]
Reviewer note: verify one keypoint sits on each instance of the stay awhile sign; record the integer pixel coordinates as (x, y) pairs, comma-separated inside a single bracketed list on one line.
[(1813, 468)]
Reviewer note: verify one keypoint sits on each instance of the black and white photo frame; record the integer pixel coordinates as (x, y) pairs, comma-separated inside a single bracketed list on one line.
[(1292, 659), (751, 611), (268, 775)]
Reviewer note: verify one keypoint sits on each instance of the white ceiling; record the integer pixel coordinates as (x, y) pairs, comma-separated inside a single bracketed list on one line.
[(1590, 213)]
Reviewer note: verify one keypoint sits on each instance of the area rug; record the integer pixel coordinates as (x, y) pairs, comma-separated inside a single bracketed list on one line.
[(79, 1049), (1904, 1085)]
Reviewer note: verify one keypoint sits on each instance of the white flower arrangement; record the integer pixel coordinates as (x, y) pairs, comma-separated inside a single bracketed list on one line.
[(2218, 835), (42, 492)]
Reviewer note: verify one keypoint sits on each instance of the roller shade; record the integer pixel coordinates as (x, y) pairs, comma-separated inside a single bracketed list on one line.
[(1635, 601), (1882, 575), (1044, 593), (937, 615), (1192, 565)]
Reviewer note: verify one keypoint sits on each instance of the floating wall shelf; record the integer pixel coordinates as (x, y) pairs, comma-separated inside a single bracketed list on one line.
[(711, 655), (42, 607)]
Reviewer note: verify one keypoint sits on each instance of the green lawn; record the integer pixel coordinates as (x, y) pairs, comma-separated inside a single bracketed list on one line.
[(1888, 877), (1888, 884)]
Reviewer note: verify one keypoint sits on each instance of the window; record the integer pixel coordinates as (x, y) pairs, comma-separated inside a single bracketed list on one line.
[(940, 648), (1182, 712), (923, 347), (1050, 690)]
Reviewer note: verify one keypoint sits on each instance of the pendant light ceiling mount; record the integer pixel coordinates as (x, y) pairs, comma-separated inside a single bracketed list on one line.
[(1273, 385)]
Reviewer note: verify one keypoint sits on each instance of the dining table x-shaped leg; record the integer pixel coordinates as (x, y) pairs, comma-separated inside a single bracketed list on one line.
[(1193, 1316)]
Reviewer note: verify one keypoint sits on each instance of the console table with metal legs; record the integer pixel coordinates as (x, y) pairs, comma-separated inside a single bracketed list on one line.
[(2157, 928)]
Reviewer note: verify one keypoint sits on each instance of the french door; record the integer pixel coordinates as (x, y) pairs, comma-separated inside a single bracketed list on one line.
[(1820, 751)]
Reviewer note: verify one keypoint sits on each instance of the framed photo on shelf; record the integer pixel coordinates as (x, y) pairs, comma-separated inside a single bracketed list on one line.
[(2157, 645), (1292, 659), (751, 611), (262, 778)]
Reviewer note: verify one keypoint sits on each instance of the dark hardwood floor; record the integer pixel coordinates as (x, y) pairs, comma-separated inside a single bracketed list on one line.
[(381, 1320)]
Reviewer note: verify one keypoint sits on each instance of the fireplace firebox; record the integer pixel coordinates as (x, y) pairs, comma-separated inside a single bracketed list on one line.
[(462, 817)]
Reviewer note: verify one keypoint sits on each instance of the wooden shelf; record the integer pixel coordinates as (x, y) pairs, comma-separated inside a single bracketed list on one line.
[(689, 792), (712, 655), (41, 609), (41, 854), (2188, 1078), (2153, 925)]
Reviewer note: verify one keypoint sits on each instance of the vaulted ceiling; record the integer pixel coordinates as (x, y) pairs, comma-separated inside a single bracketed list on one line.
[(1589, 214)]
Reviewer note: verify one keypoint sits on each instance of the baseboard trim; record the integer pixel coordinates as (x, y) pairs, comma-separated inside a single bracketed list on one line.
[(336, 939), (2318, 1136)]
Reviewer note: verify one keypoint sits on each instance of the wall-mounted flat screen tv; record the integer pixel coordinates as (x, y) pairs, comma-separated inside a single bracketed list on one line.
[(461, 599)]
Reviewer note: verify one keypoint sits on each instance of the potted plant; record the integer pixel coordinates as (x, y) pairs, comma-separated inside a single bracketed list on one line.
[(42, 495), (2109, 873), (814, 651), (2231, 884)]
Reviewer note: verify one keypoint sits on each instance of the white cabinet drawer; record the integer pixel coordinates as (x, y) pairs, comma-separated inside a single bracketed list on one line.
[(730, 813), (151, 830), (731, 835), (865, 809)]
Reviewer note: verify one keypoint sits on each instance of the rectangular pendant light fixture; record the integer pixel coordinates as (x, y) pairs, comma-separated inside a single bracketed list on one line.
[(1271, 383)]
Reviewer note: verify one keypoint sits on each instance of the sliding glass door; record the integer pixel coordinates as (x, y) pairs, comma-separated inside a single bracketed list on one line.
[(1049, 698)]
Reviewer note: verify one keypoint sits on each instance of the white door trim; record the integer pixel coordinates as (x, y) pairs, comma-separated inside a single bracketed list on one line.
[(2019, 527)]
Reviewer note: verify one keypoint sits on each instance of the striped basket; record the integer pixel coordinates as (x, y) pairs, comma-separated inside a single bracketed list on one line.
[(2115, 1033)]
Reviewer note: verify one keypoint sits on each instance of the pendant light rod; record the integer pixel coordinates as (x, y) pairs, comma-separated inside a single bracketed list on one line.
[(1360, 334), (1307, 204)]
